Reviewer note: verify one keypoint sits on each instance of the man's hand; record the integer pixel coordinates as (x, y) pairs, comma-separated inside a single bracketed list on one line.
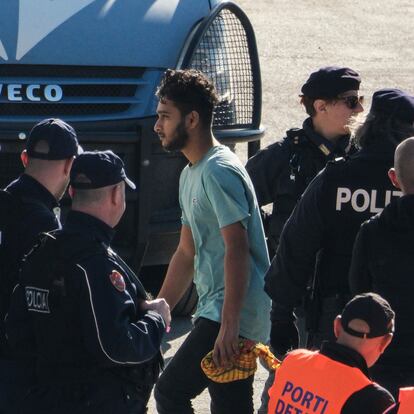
[(160, 306), (226, 345), (283, 337)]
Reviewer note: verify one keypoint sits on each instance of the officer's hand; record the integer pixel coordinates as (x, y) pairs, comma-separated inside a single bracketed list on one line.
[(283, 337), (160, 306)]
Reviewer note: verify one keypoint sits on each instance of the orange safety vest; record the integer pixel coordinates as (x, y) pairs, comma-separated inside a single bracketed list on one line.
[(406, 400), (309, 382)]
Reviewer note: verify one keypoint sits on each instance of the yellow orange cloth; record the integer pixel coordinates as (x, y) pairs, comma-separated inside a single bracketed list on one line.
[(243, 366)]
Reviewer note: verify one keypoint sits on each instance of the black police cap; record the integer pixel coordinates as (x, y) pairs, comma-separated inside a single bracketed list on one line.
[(372, 309), (60, 139), (394, 103), (98, 169), (331, 81)]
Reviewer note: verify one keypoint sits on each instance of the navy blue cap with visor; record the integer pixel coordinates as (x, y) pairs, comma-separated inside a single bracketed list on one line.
[(98, 169), (53, 139), (393, 103), (374, 310), (330, 81)]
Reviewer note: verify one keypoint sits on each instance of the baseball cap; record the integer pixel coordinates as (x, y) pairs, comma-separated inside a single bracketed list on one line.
[(372, 309), (98, 169), (330, 81), (60, 137), (393, 103)]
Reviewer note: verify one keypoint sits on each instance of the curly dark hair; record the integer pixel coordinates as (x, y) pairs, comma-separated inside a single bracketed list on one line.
[(190, 90)]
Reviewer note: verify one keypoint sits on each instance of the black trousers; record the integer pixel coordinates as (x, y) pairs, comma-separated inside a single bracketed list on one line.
[(183, 378)]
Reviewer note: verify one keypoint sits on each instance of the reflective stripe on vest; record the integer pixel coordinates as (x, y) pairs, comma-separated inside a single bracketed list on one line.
[(406, 400), (309, 382)]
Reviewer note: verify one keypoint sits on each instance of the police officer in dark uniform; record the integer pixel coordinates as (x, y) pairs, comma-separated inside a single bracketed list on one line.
[(323, 226), (28, 206), (32, 199), (281, 172), (79, 310), (383, 262)]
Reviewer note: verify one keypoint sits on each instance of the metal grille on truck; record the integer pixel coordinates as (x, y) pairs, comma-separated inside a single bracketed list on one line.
[(223, 54)]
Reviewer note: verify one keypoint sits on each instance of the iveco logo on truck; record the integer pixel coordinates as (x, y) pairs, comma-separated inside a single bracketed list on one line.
[(35, 93)]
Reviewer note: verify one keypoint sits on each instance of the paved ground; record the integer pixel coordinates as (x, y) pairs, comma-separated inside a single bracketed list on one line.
[(294, 38), (374, 37)]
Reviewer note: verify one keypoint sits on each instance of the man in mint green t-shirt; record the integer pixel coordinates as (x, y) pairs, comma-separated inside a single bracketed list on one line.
[(222, 246)]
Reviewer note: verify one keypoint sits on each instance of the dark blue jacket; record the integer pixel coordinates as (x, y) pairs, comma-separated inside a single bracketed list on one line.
[(319, 235), (37, 214), (281, 172), (77, 309), (33, 212), (383, 262)]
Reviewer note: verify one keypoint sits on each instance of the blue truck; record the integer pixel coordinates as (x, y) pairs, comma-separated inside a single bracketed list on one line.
[(96, 64)]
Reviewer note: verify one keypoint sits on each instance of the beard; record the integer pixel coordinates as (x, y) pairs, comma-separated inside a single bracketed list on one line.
[(179, 140)]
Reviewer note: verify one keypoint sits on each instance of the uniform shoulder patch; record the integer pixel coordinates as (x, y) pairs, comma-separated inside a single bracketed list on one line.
[(117, 280)]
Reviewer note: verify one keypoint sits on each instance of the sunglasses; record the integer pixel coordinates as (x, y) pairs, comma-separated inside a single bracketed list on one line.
[(352, 101)]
